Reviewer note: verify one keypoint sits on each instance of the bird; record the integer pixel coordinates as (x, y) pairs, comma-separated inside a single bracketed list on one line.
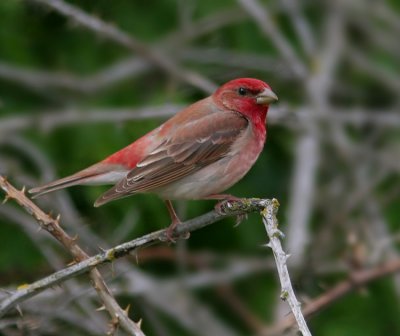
[(197, 154)]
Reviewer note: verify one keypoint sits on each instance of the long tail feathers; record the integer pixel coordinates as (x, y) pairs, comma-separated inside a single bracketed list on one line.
[(65, 182), (99, 173)]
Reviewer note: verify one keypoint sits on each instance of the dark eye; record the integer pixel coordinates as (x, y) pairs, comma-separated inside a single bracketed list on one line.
[(242, 91)]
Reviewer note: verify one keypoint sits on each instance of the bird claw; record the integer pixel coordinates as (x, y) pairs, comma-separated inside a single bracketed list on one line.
[(239, 219), (170, 238), (219, 207), (226, 203), (170, 235)]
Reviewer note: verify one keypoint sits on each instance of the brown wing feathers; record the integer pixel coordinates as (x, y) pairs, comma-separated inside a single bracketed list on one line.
[(188, 150)]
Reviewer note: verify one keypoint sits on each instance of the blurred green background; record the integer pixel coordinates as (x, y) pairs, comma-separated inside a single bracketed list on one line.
[(71, 95)]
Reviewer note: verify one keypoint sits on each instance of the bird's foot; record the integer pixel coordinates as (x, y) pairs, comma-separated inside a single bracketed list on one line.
[(225, 200), (170, 235)]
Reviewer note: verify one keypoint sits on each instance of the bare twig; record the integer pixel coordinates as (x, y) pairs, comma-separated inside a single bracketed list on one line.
[(274, 234), (88, 264), (85, 263), (266, 23), (44, 82), (279, 114), (27, 291), (114, 34), (355, 280), (307, 157), (52, 226), (302, 26), (50, 120), (385, 76)]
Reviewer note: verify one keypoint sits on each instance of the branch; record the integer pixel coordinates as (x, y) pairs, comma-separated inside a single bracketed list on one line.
[(287, 293), (280, 114), (302, 27), (267, 25), (51, 225), (52, 119), (26, 291), (112, 33), (355, 280), (85, 263), (386, 76)]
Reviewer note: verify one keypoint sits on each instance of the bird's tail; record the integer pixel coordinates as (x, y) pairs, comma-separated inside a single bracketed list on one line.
[(96, 174), (65, 182)]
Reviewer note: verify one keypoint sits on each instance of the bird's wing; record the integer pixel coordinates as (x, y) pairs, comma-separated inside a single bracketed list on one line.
[(188, 149)]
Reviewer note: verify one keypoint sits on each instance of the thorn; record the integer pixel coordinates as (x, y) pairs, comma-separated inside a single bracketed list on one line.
[(75, 238), (139, 324), (267, 245), (6, 198), (101, 249), (73, 262), (239, 219), (19, 310), (103, 307), (23, 190), (57, 220), (126, 310)]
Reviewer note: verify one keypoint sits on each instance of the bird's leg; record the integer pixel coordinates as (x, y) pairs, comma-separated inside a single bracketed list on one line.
[(174, 222), (225, 198), (222, 198)]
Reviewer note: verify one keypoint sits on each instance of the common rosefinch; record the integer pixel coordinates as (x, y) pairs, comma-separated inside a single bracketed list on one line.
[(197, 154)]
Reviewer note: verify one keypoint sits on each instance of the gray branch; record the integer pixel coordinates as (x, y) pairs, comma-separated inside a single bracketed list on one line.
[(112, 33), (26, 291), (287, 293)]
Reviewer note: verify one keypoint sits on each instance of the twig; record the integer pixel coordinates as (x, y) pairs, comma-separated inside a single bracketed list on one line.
[(280, 114), (302, 27), (303, 190), (43, 81), (266, 23), (114, 34), (355, 280), (87, 264), (52, 226), (239, 308), (274, 234), (53, 119), (385, 76)]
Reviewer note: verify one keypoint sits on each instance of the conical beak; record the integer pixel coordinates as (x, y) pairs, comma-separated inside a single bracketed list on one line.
[(266, 97)]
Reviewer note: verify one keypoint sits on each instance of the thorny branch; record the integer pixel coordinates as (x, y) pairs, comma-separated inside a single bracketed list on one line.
[(86, 264), (355, 280), (52, 226), (287, 293)]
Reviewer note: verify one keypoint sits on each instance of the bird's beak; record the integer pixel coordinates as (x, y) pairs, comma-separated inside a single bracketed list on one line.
[(266, 97)]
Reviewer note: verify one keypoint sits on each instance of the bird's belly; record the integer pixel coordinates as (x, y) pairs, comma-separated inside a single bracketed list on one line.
[(212, 179)]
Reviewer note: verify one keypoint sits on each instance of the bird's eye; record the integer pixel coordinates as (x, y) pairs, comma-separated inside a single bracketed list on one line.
[(242, 91)]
